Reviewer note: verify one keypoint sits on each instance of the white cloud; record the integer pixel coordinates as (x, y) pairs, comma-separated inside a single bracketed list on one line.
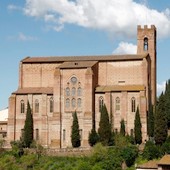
[(12, 7), (119, 17), (22, 37), (160, 88), (125, 48)]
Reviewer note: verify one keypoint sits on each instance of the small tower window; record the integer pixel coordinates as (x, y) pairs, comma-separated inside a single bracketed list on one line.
[(22, 106), (117, 103), (133, 104), (101, 102), (36, 106), (51, 105), (145, 44)]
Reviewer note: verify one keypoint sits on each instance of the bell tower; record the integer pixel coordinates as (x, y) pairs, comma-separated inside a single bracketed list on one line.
[(146, 43)]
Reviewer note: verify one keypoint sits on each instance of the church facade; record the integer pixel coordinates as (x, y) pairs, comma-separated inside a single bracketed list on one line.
[(58, 86)]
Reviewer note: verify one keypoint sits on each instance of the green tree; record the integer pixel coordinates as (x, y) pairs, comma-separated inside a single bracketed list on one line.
[(151, 151), (129, 154), (122, 127), (167, 102), (137, 129), (151, 122), (93, 137), (104, 130), (75, 135), (161, 130), (28, 127)]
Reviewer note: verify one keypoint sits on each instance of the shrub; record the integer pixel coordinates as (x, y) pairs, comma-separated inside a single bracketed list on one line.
[(93, 137), (129, 154), (151, 151)]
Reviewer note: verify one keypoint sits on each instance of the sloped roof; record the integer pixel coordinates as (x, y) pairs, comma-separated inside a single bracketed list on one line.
[(165, 160), (4, 115), (149, 165), (120, 88), (34, 90), (84, 58)]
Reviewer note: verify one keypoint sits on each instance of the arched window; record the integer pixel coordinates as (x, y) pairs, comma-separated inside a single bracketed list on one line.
[(79, 91), (101, 102), (79, 102), (51, 105), (117, 103), (36, 106), (73, 102), (133, 104), (67, 103), (22, 105), (73, 91), (67, 91), (145, 44)]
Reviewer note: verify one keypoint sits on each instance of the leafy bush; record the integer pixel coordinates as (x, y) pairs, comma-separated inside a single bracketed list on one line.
[(129, 154), (166, 146), (151, 151), (93, 137)]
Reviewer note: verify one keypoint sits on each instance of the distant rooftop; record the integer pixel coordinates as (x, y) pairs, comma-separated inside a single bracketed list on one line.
[(4, 115)]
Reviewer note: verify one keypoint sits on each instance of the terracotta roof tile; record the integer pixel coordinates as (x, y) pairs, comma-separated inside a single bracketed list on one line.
[(120, 88), (149, 165), (165, 160), (84, 58), (34, 90)]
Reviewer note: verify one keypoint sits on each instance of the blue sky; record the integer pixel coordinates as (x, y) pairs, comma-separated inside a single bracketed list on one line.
[(77, 27)]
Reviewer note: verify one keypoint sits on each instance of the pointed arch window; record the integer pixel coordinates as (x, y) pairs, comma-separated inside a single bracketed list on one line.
[(22, 106), (36, 106), (67, 91), (73, 91), (73, 102), (51, 104), (117, 103), (101, 103), (67, 103), (79, 91), (133, 104), (79, 102), (145, 44)]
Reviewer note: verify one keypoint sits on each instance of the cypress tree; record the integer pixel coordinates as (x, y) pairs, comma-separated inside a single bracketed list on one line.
[(137, 129), (151, 122), (75, 135), (28, 127), (104, 130), (122, 127), (167, 102), (161, 130)]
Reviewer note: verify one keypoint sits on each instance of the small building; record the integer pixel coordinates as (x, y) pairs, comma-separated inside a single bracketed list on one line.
[(163, 164), (151, 165), (3, 123)]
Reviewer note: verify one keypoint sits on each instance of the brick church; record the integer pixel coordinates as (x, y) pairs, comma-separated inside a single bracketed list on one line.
[(58, 86)]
